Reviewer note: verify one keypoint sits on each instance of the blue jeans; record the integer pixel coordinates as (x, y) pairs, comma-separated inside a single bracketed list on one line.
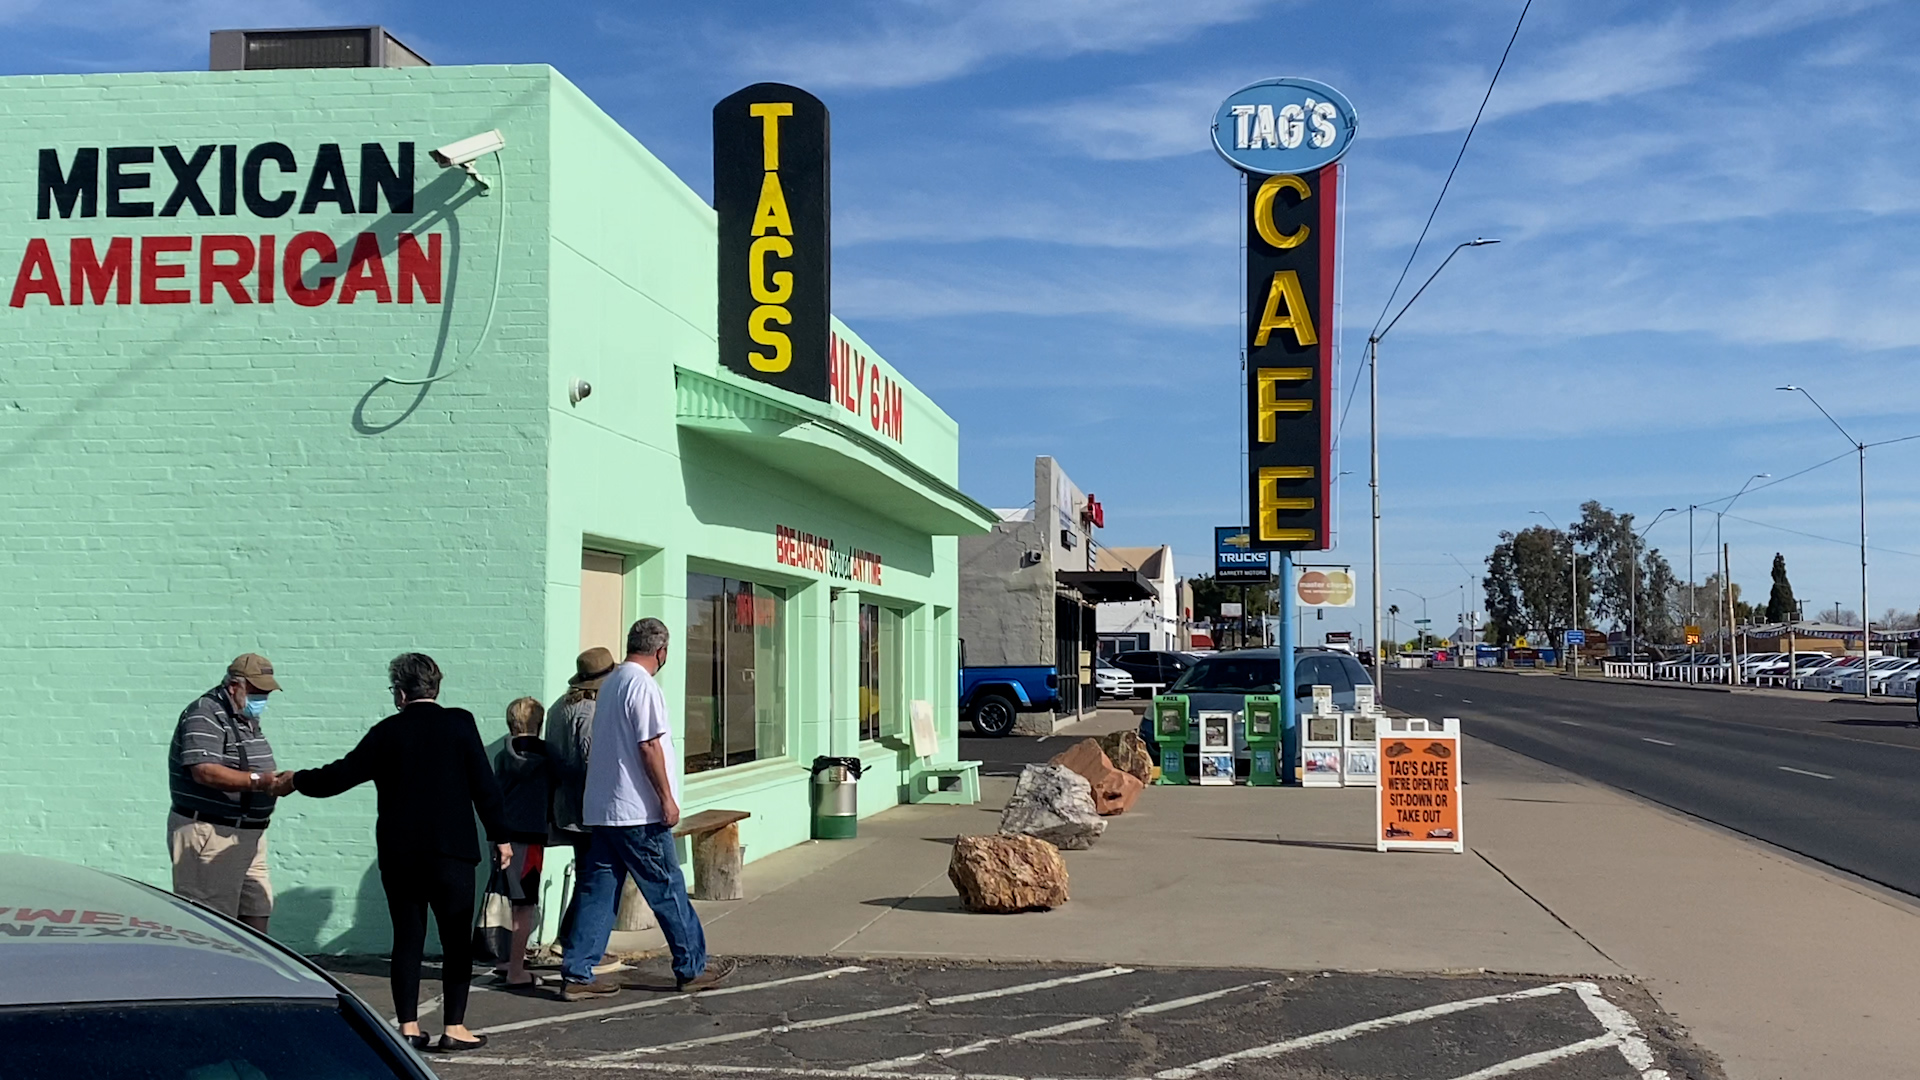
[(646, 852)]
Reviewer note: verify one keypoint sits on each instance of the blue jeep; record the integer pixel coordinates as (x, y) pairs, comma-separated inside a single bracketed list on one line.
[(992, 697)]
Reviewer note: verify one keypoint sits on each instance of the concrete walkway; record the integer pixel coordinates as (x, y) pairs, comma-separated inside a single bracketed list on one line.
[(1784, 970)]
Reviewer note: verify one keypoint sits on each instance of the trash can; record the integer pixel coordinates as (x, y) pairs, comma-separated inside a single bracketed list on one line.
[(836, 798)]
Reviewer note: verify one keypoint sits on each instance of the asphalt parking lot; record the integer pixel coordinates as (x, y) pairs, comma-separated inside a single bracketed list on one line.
[(846, 1019)]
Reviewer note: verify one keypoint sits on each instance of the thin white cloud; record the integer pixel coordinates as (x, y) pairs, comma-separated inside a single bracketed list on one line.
[(1137, 123), (914, 44)]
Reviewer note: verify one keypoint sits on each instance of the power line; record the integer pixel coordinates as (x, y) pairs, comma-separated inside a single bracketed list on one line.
[(1828, 539), (1471, 128), (1402, 280)]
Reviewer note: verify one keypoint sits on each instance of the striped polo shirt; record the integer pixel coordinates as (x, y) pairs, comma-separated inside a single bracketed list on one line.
[(211, 733)]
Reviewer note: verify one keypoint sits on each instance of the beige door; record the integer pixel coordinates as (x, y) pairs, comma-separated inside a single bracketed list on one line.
[(602, 602)]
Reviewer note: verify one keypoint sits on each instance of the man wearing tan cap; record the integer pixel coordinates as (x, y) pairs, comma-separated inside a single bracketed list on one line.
[(220, 772)]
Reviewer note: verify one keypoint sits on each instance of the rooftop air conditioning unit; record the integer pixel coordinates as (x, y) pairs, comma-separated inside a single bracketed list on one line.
[(327, 47)]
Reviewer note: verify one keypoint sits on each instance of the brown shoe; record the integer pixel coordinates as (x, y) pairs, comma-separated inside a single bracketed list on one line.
[(586, 991), (716, 973)]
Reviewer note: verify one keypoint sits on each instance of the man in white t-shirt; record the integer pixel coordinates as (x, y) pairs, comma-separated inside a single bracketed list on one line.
[(632, 802)]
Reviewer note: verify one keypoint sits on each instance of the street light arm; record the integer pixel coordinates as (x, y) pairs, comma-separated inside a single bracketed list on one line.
[(1823, 412), (1479, 242)]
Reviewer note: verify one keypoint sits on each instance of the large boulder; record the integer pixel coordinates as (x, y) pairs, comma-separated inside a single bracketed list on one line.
[(1128, 752), (1055, 804), (1113, 791), (1000, 875)]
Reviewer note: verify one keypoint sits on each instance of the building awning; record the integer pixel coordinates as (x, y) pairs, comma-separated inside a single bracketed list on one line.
[(1107, 586), (803, 437)]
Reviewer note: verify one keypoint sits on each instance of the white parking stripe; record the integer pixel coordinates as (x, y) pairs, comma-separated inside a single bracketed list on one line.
[(1181, 1003), (1057, 1029), (865, 1014), (1803, 772), (1341, 1034), (662, 999), (1028, 988), (1623, 1029), (1544, 1057)]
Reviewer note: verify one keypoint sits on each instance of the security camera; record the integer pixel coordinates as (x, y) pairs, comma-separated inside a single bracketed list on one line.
[(464, 153), (469, 149)]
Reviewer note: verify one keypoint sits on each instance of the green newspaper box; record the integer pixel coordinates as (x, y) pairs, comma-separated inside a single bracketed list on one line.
[(1170, 732), (1261, 722)]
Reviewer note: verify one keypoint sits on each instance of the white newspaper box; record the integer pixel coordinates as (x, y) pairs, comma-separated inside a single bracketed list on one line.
[(1419, 804), (1320, 751), (1363, 698), (1216, 748), (1360, 750)]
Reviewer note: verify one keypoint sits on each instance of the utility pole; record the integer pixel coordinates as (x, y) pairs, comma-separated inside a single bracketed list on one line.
[(1633, 589), (1373, 440), (1866, 618)]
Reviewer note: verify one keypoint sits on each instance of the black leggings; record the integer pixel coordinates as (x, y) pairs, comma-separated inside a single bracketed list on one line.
[(445, 885)]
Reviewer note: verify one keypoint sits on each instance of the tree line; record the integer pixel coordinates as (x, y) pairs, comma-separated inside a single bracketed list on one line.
[(1614, 577)]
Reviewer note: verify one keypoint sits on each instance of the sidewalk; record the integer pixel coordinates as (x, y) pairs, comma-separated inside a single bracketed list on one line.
[(1783, 970)]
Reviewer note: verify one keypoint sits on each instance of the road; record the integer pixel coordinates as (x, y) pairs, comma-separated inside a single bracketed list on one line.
[(1828, 780), (782, 1019)]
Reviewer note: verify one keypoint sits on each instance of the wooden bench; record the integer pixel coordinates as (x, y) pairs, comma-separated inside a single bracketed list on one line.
[(718, 857), (956, 782)]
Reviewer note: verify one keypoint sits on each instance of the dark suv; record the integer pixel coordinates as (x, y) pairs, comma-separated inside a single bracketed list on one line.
[(1149, 666)]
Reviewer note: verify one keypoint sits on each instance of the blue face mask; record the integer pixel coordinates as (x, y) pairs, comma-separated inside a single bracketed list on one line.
[(255, 708)]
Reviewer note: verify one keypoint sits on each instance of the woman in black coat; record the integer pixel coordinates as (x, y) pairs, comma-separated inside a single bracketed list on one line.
[(431, 774)]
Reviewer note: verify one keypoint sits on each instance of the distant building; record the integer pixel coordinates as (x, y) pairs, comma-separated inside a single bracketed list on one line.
[(1028, 589), (1160, 622)]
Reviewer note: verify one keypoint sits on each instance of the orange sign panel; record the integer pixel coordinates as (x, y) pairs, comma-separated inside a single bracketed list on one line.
[(1419, 791)]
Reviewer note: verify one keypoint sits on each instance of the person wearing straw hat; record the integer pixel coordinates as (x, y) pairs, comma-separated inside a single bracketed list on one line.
[(221, 779), (569, 740)]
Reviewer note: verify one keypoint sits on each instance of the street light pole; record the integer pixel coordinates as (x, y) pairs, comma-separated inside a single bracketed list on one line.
[(1373, 441), (1726, 579), (1866, 617), (1633, 589)]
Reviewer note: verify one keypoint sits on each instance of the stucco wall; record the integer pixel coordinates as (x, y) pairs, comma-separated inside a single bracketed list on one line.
[(184, 477)]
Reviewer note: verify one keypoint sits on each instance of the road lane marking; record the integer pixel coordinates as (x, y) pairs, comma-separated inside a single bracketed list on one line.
[(663, 999), (1057, 1029), (1803, 772), (1364, 1027), (864, 1014), (1661, 742), (1570, 723)]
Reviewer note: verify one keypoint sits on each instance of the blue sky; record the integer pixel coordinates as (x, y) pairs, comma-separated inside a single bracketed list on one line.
[(1698, 202)]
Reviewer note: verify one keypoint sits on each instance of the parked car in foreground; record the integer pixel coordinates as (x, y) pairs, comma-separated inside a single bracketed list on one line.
[(109, 979)]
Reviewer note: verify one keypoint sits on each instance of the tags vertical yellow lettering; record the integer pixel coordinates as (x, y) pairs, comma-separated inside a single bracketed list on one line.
[(770, 113), (1286, 291), (771, 213), (761, 334), (774, 288)]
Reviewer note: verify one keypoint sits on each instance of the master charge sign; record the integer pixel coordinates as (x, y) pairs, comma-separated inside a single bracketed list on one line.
[(1419, 807)]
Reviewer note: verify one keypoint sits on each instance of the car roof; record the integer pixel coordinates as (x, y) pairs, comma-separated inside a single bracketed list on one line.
[(69, 934)]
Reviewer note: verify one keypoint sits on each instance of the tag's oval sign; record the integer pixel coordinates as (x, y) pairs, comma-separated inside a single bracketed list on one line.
[(1284, 125)]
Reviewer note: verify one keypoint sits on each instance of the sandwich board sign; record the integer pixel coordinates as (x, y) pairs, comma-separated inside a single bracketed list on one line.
[(1419, 805)]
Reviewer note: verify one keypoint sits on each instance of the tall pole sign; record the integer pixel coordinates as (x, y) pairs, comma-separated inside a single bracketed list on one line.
[(1287, 135), (772, 186)]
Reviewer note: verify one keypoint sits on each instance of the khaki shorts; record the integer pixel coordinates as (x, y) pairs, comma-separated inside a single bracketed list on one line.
[(221, 867)]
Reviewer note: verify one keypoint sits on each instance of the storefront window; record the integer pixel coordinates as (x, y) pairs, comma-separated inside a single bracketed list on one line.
[(736, 673), (883, 684)]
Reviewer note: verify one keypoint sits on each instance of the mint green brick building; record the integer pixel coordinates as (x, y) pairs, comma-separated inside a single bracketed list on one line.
[(271, 380)]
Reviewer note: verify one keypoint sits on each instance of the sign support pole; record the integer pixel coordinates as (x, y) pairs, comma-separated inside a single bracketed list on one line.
[(1289, 722)]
